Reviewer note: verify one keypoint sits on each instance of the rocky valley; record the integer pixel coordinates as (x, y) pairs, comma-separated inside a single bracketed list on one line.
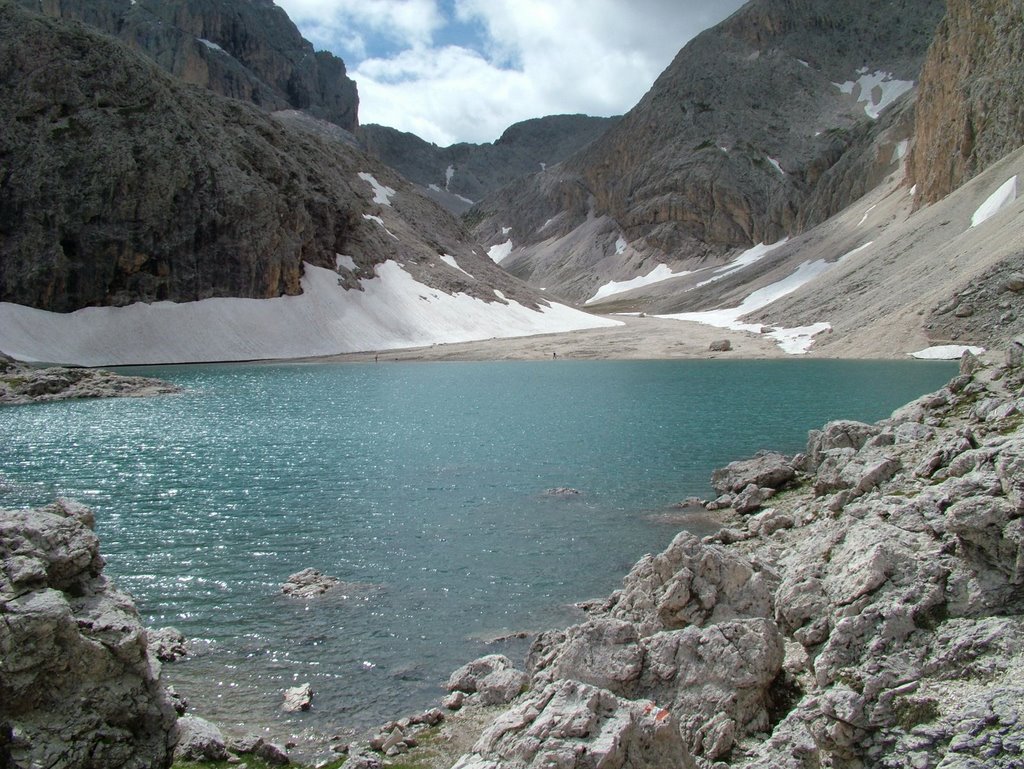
[(187, 181)]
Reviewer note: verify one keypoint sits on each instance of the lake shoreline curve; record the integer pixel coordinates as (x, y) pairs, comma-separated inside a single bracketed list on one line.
[(863, 609)]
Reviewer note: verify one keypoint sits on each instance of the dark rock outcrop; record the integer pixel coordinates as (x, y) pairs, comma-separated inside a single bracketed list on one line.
[(123, 184), (247, 50), (78, 686)]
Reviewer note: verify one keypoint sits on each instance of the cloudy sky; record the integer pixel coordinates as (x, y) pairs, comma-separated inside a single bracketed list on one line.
[(464, 70)]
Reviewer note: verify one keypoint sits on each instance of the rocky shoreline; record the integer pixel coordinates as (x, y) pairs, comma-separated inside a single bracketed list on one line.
[(21, 384), (861, 606)]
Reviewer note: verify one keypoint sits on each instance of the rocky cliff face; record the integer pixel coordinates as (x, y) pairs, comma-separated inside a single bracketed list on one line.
[(459, 175), (78, 686), (735, 137), (970, 110), (123, 184), (245, 49)]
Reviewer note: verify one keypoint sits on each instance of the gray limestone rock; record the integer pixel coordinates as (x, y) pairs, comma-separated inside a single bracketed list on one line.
[(714, 679), (840, 434), (604, 652), (501, 686), (767, 469), (689, 583), (297, 698), (308, 583), (748, 499), (167, 644), (68, 636), (199, 740), (486, 674), (573, 725), (25, 384)]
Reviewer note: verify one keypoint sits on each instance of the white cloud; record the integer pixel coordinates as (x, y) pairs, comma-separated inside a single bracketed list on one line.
[(344, 25), (530, 57)]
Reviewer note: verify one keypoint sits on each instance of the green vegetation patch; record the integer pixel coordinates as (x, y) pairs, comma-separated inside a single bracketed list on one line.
[(911, 712)]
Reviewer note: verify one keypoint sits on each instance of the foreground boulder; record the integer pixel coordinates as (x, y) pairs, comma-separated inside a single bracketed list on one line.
[(492, 680), (199, 740), (766, 470), (716, 680), (572, 725), (689, 583), (69, 638)]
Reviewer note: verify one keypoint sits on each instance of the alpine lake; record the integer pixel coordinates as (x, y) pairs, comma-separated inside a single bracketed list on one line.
[(424, 487)]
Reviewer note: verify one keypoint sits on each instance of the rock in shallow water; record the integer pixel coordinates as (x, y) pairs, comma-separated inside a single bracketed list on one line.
[(308, 583)]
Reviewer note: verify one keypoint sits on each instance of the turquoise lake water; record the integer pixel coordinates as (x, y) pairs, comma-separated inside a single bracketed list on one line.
[(421, 485)]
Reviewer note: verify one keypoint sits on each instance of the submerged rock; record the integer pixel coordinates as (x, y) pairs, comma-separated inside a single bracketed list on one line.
[(308, 583), (562, 491)]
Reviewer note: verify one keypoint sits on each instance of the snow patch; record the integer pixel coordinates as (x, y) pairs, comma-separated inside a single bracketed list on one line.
[(464, 199), (543, 166), (341, 260), (434, 187), (1002, 197), (946, 352), (324, 320), (381, 193), (506, 230), (450, 261), (796, 340), (500, 251), (500, 295), (776, 166), (875, 90), (620, 245), (865, 217), (900, 150), (208, 43), (380, 221), (546, 224), (857, 250), (449, 172), (747, 258), (657, 275)]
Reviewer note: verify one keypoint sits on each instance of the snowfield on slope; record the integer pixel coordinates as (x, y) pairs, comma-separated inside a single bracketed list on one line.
[(392, 311), (997, 201), (875, 90), (795, 341), (657, 275)]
